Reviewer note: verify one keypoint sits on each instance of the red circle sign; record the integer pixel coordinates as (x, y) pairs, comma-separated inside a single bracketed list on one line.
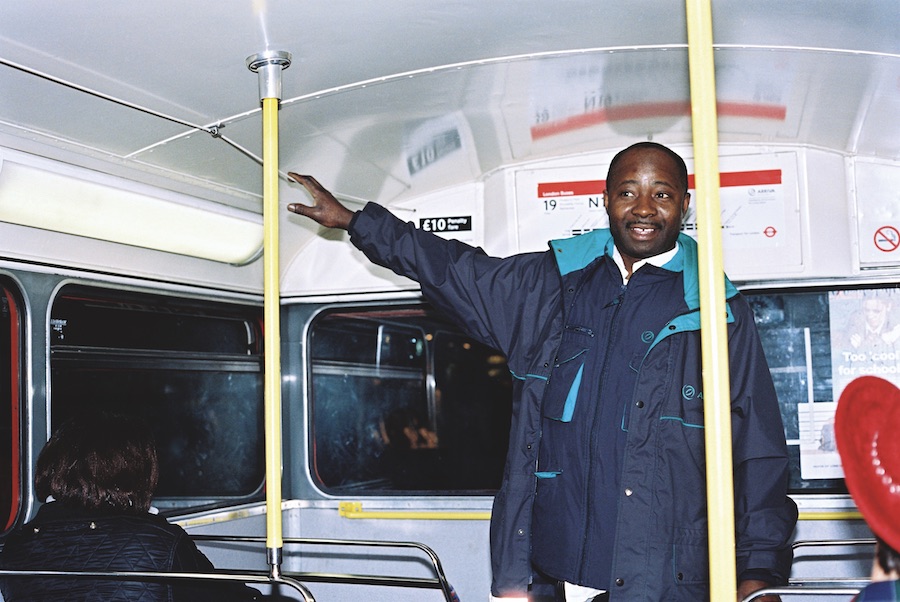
[(887, 239)]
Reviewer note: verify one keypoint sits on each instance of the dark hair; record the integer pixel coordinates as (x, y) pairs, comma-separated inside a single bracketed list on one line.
[(676, 158), (888, 558), (100, 461)]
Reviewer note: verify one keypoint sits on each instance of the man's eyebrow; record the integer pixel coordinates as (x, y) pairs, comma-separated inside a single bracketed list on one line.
[(654, 183)]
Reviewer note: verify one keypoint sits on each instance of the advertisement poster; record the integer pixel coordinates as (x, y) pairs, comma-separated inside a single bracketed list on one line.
[(759, 209), (865, 335), (560, 208), (865, 340), (819, 458)]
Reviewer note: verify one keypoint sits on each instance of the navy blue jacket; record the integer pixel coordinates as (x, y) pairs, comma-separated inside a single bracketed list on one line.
[(521, 305)]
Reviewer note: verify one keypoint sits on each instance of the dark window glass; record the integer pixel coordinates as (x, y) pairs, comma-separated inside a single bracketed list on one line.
[(816, 341), (402, 402), (450, 397), (151, 323), (192, 370), (10, 399)]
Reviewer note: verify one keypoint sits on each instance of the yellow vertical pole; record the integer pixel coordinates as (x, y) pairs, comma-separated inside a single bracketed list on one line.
[(269, 66), (714, 335), (272, 318)]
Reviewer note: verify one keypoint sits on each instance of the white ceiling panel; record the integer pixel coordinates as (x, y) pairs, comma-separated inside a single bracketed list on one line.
[(130, 83)]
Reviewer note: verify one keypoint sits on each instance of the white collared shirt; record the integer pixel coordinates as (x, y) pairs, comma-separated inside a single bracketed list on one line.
[(657, 260)]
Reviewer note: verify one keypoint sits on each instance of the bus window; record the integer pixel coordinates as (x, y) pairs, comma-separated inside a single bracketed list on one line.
[(816, 341), (402, 402), (10, 442), (192, 369)]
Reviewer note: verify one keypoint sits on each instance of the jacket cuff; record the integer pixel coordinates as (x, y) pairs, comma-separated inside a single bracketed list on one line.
[(353, 222)]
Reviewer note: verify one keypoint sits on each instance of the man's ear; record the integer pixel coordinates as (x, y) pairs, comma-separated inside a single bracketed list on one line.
[(685, 204)]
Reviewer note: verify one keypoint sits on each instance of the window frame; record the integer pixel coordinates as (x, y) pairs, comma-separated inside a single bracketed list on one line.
[(16, 324)]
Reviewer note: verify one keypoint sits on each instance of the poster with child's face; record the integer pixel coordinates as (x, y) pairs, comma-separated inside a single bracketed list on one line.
[(865, 340), (865, 329)]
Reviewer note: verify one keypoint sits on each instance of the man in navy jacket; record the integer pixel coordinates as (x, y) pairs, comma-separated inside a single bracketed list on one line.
[(604, 485)]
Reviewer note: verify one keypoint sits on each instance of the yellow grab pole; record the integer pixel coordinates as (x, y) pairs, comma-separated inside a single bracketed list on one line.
[(272, 321), (714, 336), (269, 65)]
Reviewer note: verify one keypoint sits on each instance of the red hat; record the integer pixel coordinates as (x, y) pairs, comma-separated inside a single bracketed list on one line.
[(867, 429)]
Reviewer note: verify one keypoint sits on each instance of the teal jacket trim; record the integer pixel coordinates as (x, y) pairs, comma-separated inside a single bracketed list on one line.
[(681, 420), (548, 474), (573, 254), (520, 377), (571, 398)]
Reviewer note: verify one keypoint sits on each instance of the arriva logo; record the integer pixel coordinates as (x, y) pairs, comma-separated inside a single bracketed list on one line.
[(688, 391), (648, 336)]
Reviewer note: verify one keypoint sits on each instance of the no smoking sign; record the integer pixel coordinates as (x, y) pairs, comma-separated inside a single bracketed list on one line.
[(887, 239)]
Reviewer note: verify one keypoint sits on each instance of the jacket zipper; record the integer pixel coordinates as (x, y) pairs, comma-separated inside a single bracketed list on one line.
[(593, 433)]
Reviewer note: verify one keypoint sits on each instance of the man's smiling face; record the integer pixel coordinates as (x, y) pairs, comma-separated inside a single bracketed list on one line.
[(646, 201)]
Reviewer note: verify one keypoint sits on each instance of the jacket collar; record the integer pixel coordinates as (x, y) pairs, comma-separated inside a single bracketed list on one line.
[(573, 254)]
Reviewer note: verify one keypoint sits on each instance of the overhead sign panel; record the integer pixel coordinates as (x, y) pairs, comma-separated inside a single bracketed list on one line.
[(759, 201)]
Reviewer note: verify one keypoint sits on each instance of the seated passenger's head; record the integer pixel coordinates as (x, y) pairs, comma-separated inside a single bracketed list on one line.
[(867, 429), (100, 461), (403, 429)]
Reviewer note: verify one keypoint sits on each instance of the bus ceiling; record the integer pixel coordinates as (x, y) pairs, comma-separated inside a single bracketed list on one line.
[(379, 93)]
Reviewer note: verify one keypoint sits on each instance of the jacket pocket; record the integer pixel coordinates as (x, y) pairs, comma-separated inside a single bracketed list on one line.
[(690, 562), (561, 396)]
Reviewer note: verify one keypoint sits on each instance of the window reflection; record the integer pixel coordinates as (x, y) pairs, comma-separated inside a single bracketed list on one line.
[(192, 369), (403, 402)]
